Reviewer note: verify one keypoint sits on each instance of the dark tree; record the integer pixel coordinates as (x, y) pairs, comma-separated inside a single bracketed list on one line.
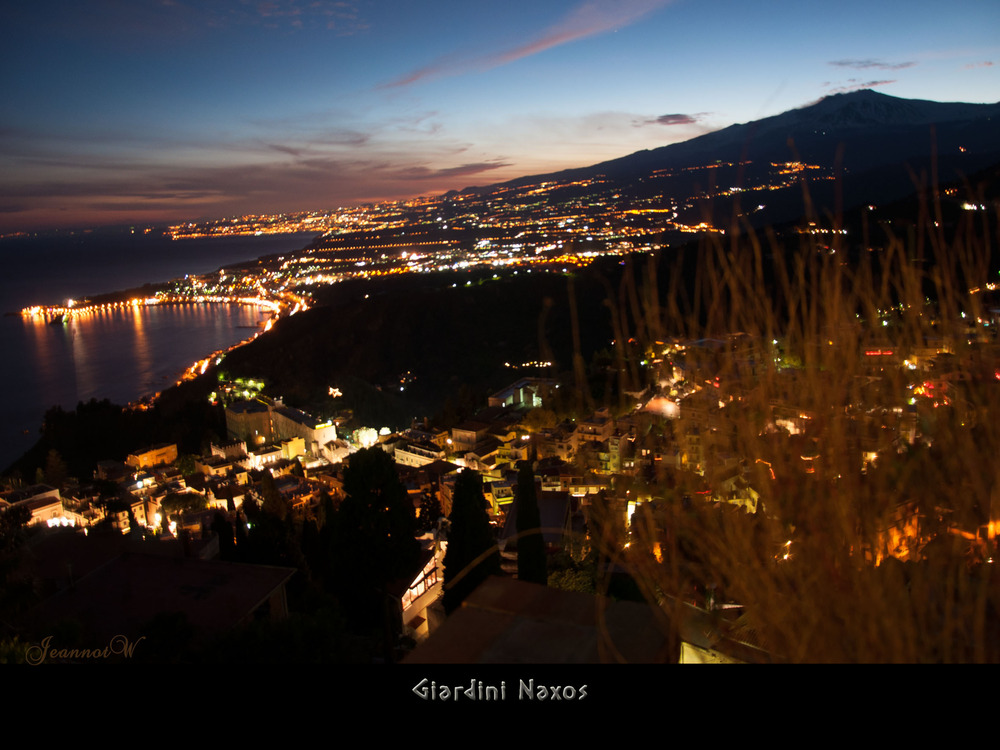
[(271, 538), (530, 543), (319, 539), (430, 512), (55, 470), (326, 508), (472, 552), (175, 504), (185, 464), (372, 534), (227, 542), (273, 502), (15, 593), (241, 537)]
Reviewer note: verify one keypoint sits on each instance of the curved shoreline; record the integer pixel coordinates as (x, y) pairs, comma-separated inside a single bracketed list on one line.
[(32, 390), (61, 311)]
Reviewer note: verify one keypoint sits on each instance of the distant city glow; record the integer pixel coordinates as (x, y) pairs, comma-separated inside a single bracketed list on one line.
[(288, 106)]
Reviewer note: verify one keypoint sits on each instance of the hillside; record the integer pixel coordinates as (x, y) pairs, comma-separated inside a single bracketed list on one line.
[(878, 146), (453, 339)]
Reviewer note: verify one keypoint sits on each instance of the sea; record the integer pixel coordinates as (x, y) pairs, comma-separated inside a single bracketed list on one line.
[(120, 355)]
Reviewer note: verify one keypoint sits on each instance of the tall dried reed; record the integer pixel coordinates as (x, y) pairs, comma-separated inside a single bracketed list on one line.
[(846, 560)]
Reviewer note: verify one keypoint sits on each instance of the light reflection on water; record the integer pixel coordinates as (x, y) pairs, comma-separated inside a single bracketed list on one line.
[(119, 354)]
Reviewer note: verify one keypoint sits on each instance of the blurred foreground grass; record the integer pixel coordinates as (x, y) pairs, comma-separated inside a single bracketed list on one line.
[(857, 381)]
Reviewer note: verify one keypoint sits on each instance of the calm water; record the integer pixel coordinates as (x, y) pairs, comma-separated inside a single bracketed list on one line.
[(120, 355)]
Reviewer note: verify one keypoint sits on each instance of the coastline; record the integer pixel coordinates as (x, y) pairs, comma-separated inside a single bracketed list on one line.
[(129, 358), (200, 366), (61, 371)]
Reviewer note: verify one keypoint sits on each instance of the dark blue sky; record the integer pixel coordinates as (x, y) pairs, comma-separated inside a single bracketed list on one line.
[(156, 110)]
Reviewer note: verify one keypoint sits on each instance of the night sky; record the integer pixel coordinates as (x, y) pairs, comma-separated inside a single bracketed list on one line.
[(161, 110)]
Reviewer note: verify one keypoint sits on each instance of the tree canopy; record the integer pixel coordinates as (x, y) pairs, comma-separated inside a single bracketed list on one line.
[(373, 530), (472, 552), (531, 563)]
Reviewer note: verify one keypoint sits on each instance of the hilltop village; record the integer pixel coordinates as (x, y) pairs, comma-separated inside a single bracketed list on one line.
[(719, 430), (774, 446)]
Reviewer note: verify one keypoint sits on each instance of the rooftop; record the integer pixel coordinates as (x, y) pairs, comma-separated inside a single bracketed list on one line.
[(506, 621)]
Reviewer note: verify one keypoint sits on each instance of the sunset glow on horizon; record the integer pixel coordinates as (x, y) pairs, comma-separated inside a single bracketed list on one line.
[(162, 111)]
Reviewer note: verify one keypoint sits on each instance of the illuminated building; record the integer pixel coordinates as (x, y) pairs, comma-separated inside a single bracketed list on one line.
[(153, 456)]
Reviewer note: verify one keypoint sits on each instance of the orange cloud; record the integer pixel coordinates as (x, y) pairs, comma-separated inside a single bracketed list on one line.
[(589, 19)]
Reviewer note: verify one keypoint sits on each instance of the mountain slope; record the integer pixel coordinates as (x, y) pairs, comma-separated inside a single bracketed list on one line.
[(878, 143)]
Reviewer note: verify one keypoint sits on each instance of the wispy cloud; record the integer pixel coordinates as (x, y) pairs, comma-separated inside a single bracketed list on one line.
[(290, 150), (676, 119), (464, 170), (983, 64), (856, 85), (79, 191), (589, 19), (869, 64), (158, 19), (337, 15)]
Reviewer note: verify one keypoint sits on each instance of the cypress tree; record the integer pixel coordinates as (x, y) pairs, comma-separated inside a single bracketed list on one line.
[(372, 534), (469, 538), (227, 543), (273, 503), (531, 564)]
